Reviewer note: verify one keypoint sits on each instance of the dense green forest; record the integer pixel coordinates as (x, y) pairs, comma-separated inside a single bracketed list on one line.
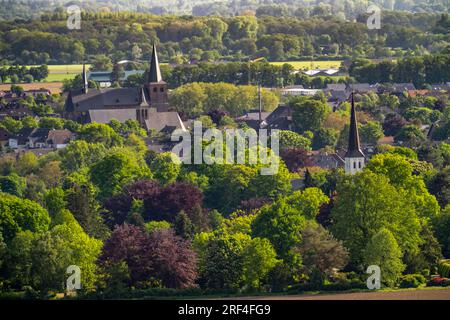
[(300, 8), (139, 224), (184, 39)]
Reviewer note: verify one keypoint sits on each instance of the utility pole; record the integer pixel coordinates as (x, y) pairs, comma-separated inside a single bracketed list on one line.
[(260, 104)]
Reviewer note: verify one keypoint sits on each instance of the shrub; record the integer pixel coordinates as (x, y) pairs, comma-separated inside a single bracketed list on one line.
[(444, 268), (341, 285), (412, 281), (439, 281)]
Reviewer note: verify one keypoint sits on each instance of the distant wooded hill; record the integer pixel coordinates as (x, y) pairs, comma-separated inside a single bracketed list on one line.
[(12, 9)]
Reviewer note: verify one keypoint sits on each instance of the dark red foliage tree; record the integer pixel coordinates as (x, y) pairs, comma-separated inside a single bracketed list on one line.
[(129, 244), (216, 115), (174, 262), (118, 207), (167, 203), (296, 158), (253, 204), (393, 123), (324, 216), (161, 256)]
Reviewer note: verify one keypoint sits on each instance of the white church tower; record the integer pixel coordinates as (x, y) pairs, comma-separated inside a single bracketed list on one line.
[(354, 158)]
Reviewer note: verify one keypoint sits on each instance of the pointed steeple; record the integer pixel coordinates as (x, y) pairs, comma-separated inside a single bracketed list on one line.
[(85, 79), (144, 102), (155, 73), (354, 146)]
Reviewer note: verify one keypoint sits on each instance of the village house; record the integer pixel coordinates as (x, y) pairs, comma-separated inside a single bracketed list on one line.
[(252, 118), (363, 88), (40, 138), (280, 118)]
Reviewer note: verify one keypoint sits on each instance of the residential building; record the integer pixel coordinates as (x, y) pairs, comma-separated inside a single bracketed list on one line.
[(40, 138)]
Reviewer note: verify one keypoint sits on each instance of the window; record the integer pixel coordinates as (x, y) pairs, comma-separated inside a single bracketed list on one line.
[(155, 89), (161, 89), (359, 164), (354, 165)]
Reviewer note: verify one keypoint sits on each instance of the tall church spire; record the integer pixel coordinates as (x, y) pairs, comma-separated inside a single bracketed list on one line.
[(155, 73), (354, 158), (85, 79), (354, 145)]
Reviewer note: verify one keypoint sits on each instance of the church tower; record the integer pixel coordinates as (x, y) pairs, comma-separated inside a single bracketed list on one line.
[(354, 158), (157, 88)]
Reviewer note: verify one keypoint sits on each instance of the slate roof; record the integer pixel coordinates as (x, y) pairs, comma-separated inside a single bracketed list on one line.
[(280, 118), (106, 115), (337, 95), (400, 87), (336, 86), (109, 98), (363, 87), (280, 111), (22, 136), (164, 121), (39, 134), (329, 161)]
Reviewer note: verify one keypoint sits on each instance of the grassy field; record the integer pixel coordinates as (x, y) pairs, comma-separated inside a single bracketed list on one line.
[(65, 68), (61, 72), (59, 77), (307, 65), (54, 87)]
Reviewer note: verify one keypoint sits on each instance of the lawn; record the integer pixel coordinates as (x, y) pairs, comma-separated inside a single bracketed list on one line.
[(59, 77), (307, 65), (65, 68)]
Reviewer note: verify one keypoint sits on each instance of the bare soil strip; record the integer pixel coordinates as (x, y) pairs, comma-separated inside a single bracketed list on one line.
[(394, 295)]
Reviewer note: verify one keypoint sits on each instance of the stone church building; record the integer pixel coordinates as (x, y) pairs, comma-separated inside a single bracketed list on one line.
[(148, 105)]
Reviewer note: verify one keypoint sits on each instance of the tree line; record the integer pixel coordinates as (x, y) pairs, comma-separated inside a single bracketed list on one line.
[(185, 39), (16, 74)]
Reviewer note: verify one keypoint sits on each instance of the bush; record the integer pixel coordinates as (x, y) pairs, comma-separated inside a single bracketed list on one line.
[(156, 293), (412, 281), (341, 285), (444, 268), (439, 281)]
